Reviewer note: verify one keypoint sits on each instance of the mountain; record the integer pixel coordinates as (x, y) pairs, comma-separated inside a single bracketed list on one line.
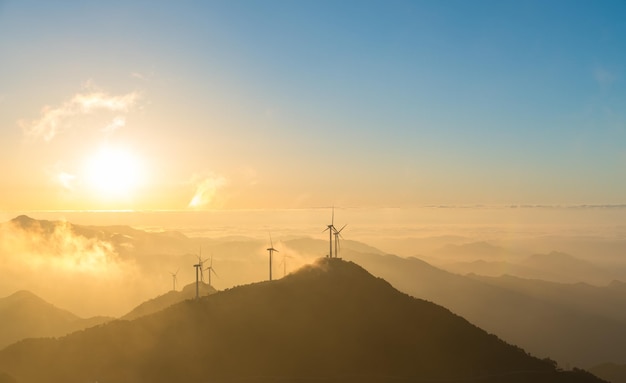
[(25, 315), (574, 325), (484, 258), (125, 239), (331, 321), (170, 298), (561, 267), (611, 372), (606, 301), (474, 250)]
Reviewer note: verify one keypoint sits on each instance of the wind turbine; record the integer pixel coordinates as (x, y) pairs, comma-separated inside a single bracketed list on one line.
[(284, 263), (174, 279), (330, 229), (210, 269), (271, 250), (201, 263), (337, 234), (198, 266)]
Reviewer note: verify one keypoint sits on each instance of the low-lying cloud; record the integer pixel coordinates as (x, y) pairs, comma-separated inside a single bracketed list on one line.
[(83, 273)]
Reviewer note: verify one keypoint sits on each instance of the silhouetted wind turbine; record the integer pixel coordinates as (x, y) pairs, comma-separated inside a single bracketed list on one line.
[(210, 269), (197, 266), (174, 279), (201, 263), (330, 229), (337, 234), (271, 250), (284, 263)]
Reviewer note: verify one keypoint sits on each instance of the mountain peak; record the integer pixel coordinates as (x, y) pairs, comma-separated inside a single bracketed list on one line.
[(23, 220), (331, 320)]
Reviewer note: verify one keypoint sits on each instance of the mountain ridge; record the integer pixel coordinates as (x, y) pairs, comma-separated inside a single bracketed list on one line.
[(23, 314), (354, 326)]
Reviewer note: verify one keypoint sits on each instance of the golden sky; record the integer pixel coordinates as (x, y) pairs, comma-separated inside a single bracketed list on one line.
[(213, 105)]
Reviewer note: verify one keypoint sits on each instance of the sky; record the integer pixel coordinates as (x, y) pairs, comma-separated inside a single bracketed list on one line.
[(194, 105)]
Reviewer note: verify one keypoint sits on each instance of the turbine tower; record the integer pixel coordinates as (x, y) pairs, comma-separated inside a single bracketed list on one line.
[(284, 263), (271, 250), (174, 279), (338, 235), (210, 269), (201, 263), (331, 229), (197, 266)]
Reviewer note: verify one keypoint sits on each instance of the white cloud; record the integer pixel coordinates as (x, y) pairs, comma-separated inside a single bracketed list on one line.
[(52, 120), (117, 123), (206, 189), (66, 180)]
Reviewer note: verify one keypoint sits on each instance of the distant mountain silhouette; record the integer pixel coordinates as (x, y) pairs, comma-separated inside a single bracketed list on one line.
[(553, 266), (170, 298), (483, 258), (25, 315), (561, 267), (575, 324), (611, 372), (474, 250), (124, 238), (331, 321)]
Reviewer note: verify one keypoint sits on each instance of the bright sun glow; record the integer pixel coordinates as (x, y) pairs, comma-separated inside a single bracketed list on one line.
[(113, 172)]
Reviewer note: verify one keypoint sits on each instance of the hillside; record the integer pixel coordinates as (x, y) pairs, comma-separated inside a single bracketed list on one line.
[(170, 298), (614, 373), (25, 315), (332, 321), (577, 325)]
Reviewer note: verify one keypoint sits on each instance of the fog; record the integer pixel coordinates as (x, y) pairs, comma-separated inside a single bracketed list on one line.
[(108, 270)]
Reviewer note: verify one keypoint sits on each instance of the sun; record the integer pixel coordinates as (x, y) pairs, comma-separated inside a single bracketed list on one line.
[(113, 172)]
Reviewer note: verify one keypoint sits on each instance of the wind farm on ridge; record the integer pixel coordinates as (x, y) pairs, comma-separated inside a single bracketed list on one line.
[(199, 266)]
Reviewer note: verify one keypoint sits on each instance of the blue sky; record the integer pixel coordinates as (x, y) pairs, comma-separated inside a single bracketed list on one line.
[(308, 103)]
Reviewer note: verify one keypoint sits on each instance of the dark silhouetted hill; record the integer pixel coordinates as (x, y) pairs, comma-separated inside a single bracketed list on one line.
[(611, 372), (575, 324), (170, 298), (331, 321), (25, 315)]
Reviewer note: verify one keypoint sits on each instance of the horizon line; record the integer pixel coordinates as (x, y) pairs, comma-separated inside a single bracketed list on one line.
[(426, 206)]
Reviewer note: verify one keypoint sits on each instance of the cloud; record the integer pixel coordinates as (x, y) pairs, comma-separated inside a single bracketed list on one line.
[(205, 190), (117, 123), (52, 120), (68, 265), (604, 77), (66, 180), (55, 245), (61, 177)]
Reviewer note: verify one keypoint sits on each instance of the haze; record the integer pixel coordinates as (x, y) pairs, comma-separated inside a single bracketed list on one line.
[(475, 151)]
